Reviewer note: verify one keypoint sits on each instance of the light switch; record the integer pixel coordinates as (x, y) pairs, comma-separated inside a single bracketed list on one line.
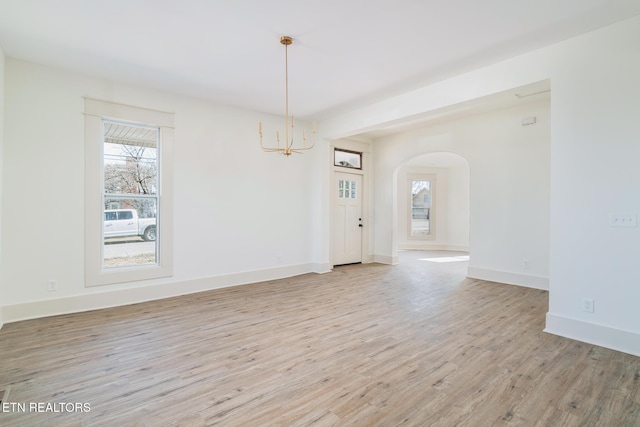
[(623, 220)]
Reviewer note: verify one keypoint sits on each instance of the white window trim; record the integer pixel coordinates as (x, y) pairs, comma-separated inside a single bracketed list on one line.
[(95, 111), (432, 211)]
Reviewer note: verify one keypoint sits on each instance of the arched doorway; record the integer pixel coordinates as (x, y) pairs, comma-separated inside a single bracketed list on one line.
[(432, 197)]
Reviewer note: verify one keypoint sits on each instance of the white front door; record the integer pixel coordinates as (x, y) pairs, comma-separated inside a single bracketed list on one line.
[(347, 219)]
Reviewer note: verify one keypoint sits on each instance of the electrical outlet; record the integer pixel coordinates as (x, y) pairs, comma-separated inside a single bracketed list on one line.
[(587, 305), (52, 285)]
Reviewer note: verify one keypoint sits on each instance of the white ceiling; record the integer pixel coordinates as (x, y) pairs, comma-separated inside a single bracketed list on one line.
[(345, 53)]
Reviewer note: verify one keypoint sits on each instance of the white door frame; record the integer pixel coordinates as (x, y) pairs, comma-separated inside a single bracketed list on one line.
[(348, 228), (367, 220)]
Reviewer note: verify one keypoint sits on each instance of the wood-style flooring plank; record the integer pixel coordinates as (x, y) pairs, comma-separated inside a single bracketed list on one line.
[(417, 344)]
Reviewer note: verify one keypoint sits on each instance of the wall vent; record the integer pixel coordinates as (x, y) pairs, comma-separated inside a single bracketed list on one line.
[(528, 121)]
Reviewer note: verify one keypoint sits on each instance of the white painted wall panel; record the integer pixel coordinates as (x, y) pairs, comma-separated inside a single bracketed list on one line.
[(508, 196), (2, 284), (593, 172), (237, 209)]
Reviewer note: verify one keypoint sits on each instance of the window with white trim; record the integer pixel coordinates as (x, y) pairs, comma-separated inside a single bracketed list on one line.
[(128, 211), (421, 207)]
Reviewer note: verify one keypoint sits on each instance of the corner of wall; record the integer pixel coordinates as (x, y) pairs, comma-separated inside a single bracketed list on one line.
[(593, 333), (386, 259), (321, 267)]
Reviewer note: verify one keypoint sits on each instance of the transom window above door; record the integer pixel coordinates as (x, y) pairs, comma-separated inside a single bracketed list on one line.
[(347, 159)]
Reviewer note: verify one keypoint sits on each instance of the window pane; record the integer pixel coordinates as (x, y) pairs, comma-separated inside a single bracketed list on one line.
[(130, 171), (420, 208), (130, 159), (125, 215), (348, 159), (130, 232)]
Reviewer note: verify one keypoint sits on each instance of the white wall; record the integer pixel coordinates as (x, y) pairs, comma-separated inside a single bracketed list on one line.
[(240, 215), (594, 171), (2, 59), (450, 218), (509, 190), (458, 179)]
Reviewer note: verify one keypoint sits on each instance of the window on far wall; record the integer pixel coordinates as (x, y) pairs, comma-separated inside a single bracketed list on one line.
[(421, 209), (128, 161)]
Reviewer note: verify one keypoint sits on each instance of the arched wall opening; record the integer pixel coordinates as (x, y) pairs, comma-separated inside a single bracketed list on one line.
[(432, 198), (509, 190)]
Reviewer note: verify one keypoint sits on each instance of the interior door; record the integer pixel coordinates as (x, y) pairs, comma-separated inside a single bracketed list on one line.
[(347, 219)]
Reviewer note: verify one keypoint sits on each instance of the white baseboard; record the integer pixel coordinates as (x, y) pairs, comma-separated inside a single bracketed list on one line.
[(95, 301), (457, 248), (321, 267), (386, 259), (425, 246), (593, 333), (528, 281)]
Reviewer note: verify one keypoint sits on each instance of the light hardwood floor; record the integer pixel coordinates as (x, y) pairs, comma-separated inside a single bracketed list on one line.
[(416, 344)]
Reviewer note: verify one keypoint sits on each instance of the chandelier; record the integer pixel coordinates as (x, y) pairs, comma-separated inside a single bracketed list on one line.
[(288, 147)]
